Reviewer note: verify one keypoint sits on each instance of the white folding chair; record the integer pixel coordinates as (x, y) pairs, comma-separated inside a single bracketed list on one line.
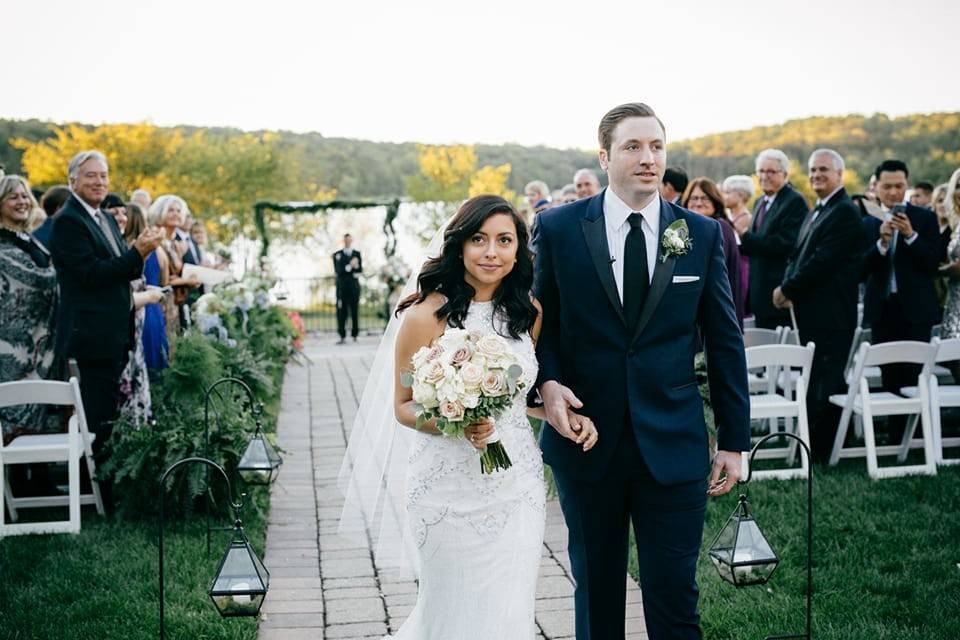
[(750, 322), (941, 396), (66, 447), (785, 357), (762, 380), (860, 400)]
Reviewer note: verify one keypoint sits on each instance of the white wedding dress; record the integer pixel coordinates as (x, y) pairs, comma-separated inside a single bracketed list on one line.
[(478, 536)]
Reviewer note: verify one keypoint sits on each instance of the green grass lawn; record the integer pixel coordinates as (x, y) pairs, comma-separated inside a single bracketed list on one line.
[(886, 559), (104, 583)]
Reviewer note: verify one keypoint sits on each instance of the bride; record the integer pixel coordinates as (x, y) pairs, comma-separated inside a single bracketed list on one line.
[(476, 538)]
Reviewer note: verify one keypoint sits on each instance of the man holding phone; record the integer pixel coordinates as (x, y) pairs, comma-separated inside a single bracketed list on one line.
[(901, 263)]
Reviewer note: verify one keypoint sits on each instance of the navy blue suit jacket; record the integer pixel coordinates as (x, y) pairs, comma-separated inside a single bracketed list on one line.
[(643, 375), (916, 266)]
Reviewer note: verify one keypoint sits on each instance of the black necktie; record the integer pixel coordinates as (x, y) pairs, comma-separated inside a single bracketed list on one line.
[(636, 280)]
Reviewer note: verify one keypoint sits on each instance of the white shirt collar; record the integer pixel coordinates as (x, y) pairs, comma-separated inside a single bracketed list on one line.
[(616, 211), (822, 202), (93, 212)]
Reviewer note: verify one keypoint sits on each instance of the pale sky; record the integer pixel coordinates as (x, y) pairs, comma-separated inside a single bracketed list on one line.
[(490, 71)]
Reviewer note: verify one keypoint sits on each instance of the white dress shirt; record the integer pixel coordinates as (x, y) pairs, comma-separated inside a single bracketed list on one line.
[(615, 214), (93, 212)]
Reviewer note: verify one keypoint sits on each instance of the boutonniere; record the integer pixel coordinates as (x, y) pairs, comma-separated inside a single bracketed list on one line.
[(676, 240)]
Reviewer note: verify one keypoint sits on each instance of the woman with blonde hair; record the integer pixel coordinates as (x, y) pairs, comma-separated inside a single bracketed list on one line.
[(28, 306), (950, 326), (168, 212)]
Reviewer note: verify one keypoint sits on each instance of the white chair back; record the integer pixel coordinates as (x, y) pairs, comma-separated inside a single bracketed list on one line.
[(947, 350), (756, 337)]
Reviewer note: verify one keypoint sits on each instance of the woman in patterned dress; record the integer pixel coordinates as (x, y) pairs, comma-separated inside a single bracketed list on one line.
[(134, 381), (950, 327), (28, 305)]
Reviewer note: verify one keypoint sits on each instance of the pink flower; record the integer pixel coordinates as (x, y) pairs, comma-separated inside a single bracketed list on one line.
[(452, 411)]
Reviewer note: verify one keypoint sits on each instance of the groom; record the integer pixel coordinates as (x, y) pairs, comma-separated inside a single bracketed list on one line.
[(625, 306)]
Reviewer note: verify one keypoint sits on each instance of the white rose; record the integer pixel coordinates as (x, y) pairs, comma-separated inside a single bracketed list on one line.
[(425, 394), (452, 411), (470, 401), (453, 339), (491, 347), (420, 357), (450, 389), (494, 384), (471, 375), (434, 372), (459, 355)]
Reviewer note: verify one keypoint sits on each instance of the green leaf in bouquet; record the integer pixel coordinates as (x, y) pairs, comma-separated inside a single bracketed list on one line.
[(514, 372), (406, 379), (422, 419)]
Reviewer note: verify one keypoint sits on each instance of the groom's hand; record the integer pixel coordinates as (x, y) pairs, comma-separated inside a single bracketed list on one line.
[(556, 400), (725, 462)]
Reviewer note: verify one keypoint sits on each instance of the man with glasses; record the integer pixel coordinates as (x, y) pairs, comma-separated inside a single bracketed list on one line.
[(769, 241)]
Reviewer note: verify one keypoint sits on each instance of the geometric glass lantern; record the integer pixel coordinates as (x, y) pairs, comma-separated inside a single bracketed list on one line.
[(740, 552), (242, 580), (260, 463)]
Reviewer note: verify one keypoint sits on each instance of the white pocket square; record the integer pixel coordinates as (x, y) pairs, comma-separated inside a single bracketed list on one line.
[(682, 279)]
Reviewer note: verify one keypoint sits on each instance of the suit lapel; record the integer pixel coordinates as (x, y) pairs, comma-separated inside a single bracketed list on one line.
[(662, 273), (595, 234), (93, 226)]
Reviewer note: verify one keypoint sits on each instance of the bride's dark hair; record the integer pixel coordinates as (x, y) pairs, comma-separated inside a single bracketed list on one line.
[(445, 273)]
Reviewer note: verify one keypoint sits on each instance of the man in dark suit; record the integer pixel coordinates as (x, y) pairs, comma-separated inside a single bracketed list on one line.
[(777, 218), (822, 285), (674, 183), (625, 300), (902, 258), (348, 265), (94, 268)]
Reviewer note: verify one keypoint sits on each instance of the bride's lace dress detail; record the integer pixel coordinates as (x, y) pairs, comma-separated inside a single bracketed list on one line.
[(478, 536)]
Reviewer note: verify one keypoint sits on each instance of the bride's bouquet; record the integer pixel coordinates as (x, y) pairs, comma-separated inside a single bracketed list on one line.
[(462, 378)]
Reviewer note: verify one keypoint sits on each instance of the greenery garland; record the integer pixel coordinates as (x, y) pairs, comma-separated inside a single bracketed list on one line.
[(260, 209)]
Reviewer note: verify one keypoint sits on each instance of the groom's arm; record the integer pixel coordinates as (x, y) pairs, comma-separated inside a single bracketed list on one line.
[(726, 362)]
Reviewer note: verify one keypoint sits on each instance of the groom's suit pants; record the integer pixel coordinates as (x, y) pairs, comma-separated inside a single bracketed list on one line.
[(668, 524)]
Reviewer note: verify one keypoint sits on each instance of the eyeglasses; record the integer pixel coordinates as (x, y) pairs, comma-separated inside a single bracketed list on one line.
[(769, 172), (699, 199)]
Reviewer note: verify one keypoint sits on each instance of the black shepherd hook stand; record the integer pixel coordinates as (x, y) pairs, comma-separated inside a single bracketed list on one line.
[(806, 450), (256, 410), (236, 506)]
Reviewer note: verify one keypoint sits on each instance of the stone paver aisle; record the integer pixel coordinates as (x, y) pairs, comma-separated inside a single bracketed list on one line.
[(323, 585)]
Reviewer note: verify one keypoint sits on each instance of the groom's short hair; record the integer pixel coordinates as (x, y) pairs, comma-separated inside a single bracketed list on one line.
[(613, 117)]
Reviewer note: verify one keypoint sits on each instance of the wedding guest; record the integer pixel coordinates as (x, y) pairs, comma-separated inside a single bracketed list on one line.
[(586, 182), (737, 192), (53, 198), (537, 194), (950, 327), (568, 194), (142, 198), (348, 267), (772, 236), (153, 335), (134, 381), (922, 194), (167, 212), (28, 307), (674, 184), (902, 261), (939, 207), (821, 283), (198, 233), (703, 197), (36, 219), (94, 269)]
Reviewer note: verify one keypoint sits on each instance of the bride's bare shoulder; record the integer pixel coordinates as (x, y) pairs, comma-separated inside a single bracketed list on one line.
[(422, 316)]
